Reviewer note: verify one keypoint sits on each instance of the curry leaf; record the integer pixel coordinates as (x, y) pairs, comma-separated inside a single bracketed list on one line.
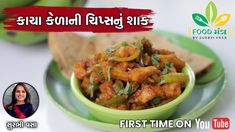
[(200, 20), (222, 20), (211, 11)]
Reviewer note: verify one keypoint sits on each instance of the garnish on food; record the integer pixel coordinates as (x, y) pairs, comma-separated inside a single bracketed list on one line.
[(132, 76)]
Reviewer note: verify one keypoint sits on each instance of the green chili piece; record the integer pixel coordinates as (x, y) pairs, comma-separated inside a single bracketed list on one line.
[(115, 100), (175, 77), (130, 58), (156, 100)]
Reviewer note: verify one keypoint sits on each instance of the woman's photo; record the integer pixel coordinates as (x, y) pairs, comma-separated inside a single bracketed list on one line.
[(17, 100)]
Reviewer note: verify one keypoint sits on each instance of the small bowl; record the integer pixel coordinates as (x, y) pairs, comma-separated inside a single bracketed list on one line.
[(109, 115)]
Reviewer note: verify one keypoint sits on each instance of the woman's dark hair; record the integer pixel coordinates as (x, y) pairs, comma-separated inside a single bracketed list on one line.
[(28, 96)]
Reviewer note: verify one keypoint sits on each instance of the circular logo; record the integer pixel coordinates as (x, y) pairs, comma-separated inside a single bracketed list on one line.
[(20, 100)]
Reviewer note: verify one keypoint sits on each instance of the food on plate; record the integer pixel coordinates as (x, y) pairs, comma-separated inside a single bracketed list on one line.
[(67, 48), (105, 40), (132, 76)]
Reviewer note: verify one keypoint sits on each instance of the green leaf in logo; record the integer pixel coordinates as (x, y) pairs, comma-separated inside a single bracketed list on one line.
[(199, 19), (211, 11)]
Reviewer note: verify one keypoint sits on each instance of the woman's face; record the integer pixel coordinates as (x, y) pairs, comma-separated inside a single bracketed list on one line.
[(20, 94)]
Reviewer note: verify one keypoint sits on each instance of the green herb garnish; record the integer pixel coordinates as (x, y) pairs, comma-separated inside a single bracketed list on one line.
[(100, 73), (117, 86), (126, 90), (112, 58), (139, 45), (108, 71), (109, 50), (91, 86), (92, 68), (97, 65), (167, 68), (141, 59), (155, 60)]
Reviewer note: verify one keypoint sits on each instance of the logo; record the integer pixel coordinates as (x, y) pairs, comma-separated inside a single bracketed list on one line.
[(211, 24), (220, 123)]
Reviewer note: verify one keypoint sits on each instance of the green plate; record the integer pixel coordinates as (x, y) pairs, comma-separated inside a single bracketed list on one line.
[(202, 98), (199, 48), (208, 89)]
